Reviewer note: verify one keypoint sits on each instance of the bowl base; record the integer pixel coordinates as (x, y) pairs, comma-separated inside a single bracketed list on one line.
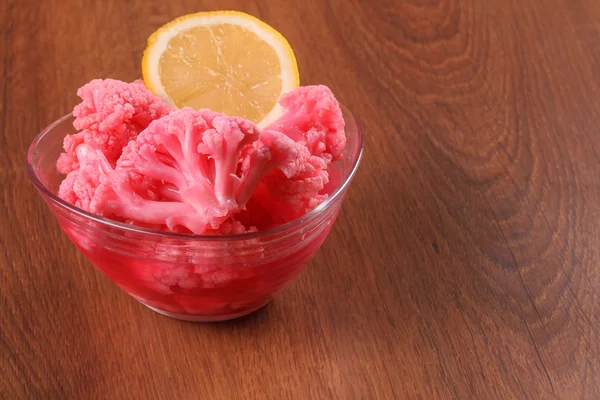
[(203, 318)]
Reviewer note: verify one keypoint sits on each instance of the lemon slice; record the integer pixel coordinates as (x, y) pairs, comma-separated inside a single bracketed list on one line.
[(228, 61)]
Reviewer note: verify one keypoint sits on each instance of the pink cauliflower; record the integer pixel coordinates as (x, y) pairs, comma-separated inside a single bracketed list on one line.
[(313, 116), (313, 120), (85, 186), (296, 191), (207, 167), (232, 226), (79, 187), (67, 162), (111, 114), (139, 162), (301, 191), (285, 194)]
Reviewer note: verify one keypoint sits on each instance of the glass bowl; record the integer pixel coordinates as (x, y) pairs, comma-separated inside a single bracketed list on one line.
[(186, 276)]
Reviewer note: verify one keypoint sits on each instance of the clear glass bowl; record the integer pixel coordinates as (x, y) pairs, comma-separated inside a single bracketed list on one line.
[(186, 276)]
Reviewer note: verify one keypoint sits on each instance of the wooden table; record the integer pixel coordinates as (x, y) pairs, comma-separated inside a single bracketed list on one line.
[(465, 263)]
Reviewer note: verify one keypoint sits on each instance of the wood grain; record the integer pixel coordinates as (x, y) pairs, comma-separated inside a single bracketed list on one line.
[(465, 263)]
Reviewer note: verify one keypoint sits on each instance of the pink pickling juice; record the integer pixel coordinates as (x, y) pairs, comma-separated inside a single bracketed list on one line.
[(198, 215)]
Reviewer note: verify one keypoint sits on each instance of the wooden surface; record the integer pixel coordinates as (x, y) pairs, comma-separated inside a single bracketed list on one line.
[(465, 263)]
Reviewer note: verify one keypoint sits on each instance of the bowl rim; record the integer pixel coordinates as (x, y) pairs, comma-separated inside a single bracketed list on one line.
[(288, 226)]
